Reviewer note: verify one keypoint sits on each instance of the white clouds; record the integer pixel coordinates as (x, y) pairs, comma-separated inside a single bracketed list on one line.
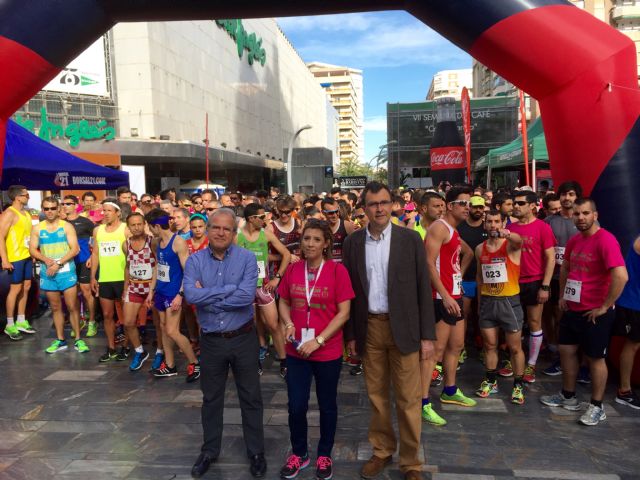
[(375, 124), (371, 40)]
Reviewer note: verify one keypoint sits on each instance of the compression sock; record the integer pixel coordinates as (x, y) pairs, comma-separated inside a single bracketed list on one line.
[(450, 390), (597, 403), (425, 401), (535, 342)]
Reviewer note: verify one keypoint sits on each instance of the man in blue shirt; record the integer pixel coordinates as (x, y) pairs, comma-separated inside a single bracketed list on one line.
[(221, 282)]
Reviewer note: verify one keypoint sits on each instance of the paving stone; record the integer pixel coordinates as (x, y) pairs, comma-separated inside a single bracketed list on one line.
[(564, 475), (93, 468), (75, 375)]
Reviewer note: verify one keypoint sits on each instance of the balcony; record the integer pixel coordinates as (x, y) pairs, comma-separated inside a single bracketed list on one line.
[(625, 13)]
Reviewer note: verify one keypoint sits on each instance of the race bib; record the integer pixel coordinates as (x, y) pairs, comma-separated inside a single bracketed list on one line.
[(26, 242), (64, 268), (140, 271), (163, 272), (307, 334), (572, 291), (262, 271), (559, 255), (494, 272), (110, 249), (457, 284)]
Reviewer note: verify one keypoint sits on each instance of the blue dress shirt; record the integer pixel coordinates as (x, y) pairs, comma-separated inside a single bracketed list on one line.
[(225, 301)]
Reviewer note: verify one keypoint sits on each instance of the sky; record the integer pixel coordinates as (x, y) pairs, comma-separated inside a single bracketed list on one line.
[(397, 53)]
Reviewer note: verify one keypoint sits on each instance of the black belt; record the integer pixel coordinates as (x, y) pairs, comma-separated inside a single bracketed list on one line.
[(246, 328)]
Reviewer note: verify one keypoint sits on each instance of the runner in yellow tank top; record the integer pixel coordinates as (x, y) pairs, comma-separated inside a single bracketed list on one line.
[(15, 231), (108, 255), (497, 276)]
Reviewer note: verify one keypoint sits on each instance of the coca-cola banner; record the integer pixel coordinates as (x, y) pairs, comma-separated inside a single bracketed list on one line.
[(448, 164)]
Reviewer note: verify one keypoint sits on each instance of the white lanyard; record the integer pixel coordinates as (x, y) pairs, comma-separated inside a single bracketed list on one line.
[(309, 293)]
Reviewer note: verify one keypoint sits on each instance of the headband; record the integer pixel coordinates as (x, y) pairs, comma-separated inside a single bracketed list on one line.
[(114, 205), (164, 220), (198, 216)]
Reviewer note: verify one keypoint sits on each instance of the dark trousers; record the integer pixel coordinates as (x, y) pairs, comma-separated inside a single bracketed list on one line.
[(299, 375), (216, 356)]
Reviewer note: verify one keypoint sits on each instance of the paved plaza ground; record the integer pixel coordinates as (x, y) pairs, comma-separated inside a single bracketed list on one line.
[(65, 416)]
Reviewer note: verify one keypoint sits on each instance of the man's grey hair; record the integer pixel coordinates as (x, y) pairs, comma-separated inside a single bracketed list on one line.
[(166, 201), (223, 211)]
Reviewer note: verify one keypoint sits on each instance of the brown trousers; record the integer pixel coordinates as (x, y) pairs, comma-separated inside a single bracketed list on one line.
[(383, 364)]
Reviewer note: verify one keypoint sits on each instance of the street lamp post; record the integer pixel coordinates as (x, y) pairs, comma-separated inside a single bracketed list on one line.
[(290, 157)]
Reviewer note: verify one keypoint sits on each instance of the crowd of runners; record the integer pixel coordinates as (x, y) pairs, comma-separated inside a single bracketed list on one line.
[(510, 273)]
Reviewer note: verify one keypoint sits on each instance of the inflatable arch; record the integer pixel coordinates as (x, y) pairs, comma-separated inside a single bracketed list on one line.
[(582, 71)]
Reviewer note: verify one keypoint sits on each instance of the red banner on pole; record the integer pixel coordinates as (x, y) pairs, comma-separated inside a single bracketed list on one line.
[(465, 105), (525, 143)]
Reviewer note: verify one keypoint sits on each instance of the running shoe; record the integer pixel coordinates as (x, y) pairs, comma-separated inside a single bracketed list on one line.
[(123, 354), (458, 398), (165, 371), (120, 336), (24, 327), (157, 361), (324, 470), (80, 346), (13, 332), (138, 359), (293, 466), (554, 370), (57, 346), (593, 416), (193, 372), (260, 370), (463, 357), (487, 388), (82, 325), (109, 355), (517, 395), (92, 329), (558, 400), (356, 370), (429, 415), (583, 376), (529, 374), (264, 353), (436, 376), (628, 398), (506, 370), (283, 371), (350, 361)]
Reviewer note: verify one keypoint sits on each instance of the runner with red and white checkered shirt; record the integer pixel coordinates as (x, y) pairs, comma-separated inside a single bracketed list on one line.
[(139, 282)]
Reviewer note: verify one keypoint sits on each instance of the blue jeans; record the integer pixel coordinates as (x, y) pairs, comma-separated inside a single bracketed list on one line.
[(299, 375)]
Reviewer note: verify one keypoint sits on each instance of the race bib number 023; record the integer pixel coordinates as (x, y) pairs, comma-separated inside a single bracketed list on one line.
[(494, 272)]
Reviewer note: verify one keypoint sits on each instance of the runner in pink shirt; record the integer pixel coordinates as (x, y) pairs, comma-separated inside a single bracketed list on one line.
[(592, 277), (536, 270)]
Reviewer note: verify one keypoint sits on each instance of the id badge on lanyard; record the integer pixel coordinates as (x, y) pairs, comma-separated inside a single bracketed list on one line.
[(309, 333)]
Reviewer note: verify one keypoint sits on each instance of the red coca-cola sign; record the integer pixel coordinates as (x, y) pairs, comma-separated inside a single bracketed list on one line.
[(445, 158)]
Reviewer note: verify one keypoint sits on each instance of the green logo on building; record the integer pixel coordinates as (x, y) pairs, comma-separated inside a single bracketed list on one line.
[(74, 131), (244, 41)]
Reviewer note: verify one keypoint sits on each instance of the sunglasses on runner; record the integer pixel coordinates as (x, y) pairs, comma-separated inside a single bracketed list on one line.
[(262, 216), (521, 203), (462, 203), (49, 209), (285, 212), (331, 212)]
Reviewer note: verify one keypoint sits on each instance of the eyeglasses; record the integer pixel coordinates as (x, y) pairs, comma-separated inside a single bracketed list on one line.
[(521, 203), (285, 212), (359, 217), (331, 212), (462, 203), (68, 204), (146, 202), (209, 209), (49, 209), (376, 205), (262, 216), (198, 203)]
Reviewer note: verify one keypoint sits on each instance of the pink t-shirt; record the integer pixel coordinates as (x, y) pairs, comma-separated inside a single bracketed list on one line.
[(333, 287), (537, 237), (590, 259)]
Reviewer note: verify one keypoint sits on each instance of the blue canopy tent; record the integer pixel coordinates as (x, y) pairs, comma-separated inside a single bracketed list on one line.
[(38, 165)]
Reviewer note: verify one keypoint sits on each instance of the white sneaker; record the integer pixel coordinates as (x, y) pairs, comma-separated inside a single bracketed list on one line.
[(558, 400), (593, 415)]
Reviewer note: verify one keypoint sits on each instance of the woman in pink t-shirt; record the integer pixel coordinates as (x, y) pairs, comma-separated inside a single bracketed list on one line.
[(315, 297)]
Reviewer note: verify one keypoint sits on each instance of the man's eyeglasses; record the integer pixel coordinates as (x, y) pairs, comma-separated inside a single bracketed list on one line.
[(376, 205), (331, 212), (462, 203), (49, 209), (359, 217), (68, 204), (521, 203)]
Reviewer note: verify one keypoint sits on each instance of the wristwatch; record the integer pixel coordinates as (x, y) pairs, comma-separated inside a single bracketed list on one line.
[(545, 288), (59, 263), (278, 276), (320, 340), (181, 293)]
